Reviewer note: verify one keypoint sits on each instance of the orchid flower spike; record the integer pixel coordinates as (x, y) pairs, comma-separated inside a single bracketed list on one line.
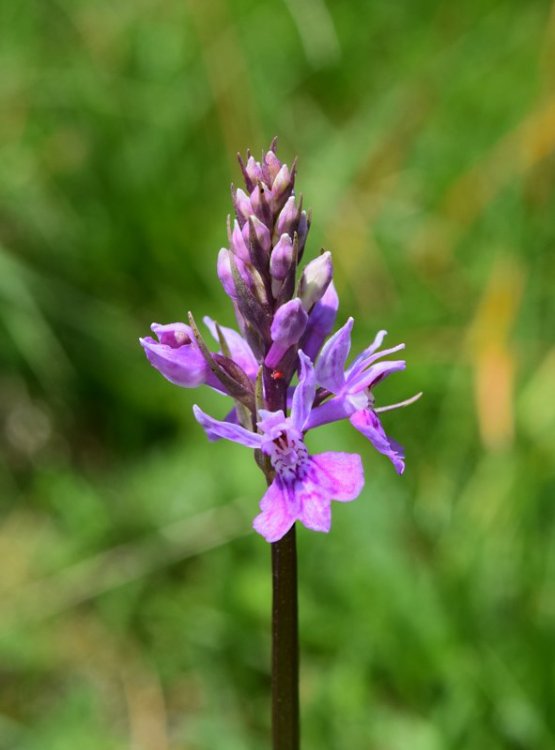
[(285, 313)]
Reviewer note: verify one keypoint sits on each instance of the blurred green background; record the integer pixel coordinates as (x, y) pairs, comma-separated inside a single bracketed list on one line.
[(135, 599)]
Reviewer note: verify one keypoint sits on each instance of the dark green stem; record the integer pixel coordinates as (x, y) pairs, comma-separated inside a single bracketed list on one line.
[(285, 644), (285, 628)]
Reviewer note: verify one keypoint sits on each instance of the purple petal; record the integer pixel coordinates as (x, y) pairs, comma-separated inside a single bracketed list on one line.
[(336, 409), (279, 511), (374, 346), (303, 397), (173, 334), (340, 474), (331, 362), (232, 418), (234, 432), (364, 360), (371, 377), (241, 353), (315, 503), (182, 365), (367, 422), (320, 322)]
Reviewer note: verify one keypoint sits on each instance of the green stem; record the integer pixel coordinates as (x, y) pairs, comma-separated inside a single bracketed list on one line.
[(285, 627), (285, 644)]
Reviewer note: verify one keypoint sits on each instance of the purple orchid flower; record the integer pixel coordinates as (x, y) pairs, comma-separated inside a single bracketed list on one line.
[(177, 356), (303, 485), (284, 322), (352, 389)]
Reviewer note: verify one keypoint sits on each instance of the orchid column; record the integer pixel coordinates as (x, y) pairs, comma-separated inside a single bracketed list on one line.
[(284, 379)]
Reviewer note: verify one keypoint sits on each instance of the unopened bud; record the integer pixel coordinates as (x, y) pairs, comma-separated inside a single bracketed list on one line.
[(288, 218), (259, 202), (281, 258), (243, 207), (289, 322), (270, 167), (288, 326), (253, 170), (225, 273), (223, 268), (282, 188), (238, 245), (316, 278), (260, 233)]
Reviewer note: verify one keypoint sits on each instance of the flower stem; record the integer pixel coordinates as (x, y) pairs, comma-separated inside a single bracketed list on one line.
[(285, 644), (285, 627)]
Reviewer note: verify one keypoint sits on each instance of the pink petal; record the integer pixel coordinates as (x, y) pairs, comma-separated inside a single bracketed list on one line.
[(340, 475), (367, 422), (335, 409), (359, 362), (315, 504), (183, 365), (374, 374), (279, 511)]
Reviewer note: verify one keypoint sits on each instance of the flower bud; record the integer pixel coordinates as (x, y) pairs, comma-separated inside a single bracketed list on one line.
[(270, 167), (253, 170), (260, 205), (223, 269), (288, 326), (258, 232), (289, 322), (316, 278), (281, 187), (238, 245), (226, 276), (281, 258), (288, 218), (243, 207), (282, 180)]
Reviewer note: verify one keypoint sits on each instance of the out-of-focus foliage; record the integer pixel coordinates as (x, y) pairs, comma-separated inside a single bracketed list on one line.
[(135, 600)]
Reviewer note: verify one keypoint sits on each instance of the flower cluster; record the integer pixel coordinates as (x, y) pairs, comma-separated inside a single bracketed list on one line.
[(283, 375)]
